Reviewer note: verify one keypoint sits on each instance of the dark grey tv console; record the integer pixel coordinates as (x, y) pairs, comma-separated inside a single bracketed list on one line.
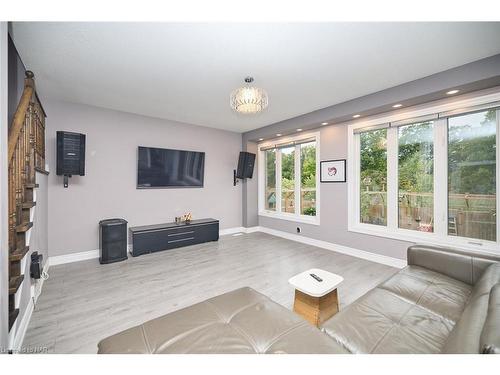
[(151, 238)]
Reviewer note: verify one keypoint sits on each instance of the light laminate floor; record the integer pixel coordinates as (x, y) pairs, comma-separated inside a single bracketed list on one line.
[(84, 302)]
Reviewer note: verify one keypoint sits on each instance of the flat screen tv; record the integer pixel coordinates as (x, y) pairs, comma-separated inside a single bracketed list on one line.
[(163, 168)]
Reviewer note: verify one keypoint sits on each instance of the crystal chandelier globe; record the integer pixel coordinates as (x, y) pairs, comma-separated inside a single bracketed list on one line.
[(249, 99)]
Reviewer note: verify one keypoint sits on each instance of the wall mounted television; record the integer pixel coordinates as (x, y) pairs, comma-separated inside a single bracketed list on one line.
[(165, 168)]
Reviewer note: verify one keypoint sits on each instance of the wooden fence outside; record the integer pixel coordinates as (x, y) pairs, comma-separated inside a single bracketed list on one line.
[(473, 215)]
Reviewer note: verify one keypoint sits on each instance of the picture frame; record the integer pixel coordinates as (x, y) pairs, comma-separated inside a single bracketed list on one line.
[(333, 170)]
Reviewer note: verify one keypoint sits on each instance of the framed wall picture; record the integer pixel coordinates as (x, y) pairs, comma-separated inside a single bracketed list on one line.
[(333, 170)]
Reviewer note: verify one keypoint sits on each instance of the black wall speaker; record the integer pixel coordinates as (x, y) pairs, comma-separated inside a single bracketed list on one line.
[(112, 240), (246, 163), (70, 154)]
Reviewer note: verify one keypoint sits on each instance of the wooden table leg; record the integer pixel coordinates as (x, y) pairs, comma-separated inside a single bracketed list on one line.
[(316, 310)]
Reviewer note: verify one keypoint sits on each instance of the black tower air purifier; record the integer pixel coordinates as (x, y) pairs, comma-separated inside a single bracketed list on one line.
[(112, 240)]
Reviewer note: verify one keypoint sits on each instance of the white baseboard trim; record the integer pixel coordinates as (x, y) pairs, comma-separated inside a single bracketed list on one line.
[(92, 254), (383, 259), (225, 232), (75, 257), (21, 328), (22, 324), (252, 229)]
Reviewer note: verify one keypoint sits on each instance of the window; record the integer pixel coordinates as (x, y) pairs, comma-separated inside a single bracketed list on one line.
[(288, 179), (308, 179), (416, 177), (290, 174), (373, 172), (431, 178), (270, 196), (472, 175)]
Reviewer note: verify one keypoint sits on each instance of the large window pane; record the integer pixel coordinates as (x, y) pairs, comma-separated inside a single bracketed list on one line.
[(288, 179), (416, 176), (270, 197), (373, 172), (308, 179), (472, 175)]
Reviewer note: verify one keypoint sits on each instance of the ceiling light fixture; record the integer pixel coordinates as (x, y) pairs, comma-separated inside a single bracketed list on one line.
[(249, 99), (451, 92), (324, 123), (261, 139), (356, 116), (278, 135), (397, 105), (299, 129)]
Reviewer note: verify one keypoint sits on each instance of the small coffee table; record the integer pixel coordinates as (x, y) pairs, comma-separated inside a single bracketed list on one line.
[(316, 301)]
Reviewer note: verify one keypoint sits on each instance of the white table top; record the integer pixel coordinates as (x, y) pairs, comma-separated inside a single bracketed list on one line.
[(308, 285)]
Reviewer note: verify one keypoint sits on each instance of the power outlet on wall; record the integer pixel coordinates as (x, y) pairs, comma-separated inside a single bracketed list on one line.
[(299, 230)]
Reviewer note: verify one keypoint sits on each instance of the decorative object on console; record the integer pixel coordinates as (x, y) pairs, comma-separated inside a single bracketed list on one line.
[(152, 238), (186, 218), (112, 240), (70, 155), (333, 170), (246, 162), (249, 99)]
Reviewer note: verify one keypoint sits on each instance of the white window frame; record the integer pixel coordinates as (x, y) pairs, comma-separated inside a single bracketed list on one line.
[(261, 158), (440, 235)]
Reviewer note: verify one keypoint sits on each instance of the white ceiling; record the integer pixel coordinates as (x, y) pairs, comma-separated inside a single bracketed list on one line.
[(185, 72)]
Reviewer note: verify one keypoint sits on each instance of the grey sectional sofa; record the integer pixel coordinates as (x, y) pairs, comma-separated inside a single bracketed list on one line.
[(444, 301)]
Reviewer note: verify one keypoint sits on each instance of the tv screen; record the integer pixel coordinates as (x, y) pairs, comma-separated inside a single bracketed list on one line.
[(158, 167)]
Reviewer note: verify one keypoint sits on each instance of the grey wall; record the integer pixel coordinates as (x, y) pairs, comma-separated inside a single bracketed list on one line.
[(250, 192), (333, 207), (109, 187), (471, 77), (4, 210)]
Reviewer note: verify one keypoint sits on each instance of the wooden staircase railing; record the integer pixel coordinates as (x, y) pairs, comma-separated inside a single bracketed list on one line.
[(26, 154)]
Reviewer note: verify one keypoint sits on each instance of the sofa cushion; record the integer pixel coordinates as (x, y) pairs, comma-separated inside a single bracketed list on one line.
[(241, 321), (412, 312), (490, 336), (430, 290), (466, 335), (463, 265)]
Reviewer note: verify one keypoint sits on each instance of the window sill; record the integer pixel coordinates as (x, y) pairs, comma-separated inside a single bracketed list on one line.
[(426, 238), (313, 220)]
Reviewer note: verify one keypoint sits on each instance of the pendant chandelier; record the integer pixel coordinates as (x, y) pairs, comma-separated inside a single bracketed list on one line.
[(249, 99)]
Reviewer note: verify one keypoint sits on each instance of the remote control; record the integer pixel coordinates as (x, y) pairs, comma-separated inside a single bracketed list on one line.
[(316, 277)]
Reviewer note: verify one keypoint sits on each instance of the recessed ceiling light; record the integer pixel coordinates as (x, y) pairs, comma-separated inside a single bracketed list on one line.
[(451, 92), (278, 135), (397, 105), (324, 123), (261, 139), (356, 116), (299, 129)]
